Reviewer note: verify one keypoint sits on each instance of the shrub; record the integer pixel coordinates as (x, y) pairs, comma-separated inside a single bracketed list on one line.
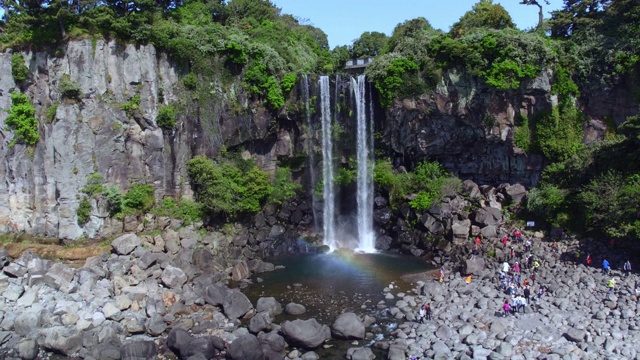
[(166, 118), (288, 82), (547, 201), (522, 134), (22, 120), (383, 173), (131, 106), (114, 200), (230, 186), (186, 210), (190, 81), (393, 75), (50, 113), (236, 53), (19, 70), (283, 187), (94, 186), (69, 89), (139, 199), (84, 211), (345, 176)]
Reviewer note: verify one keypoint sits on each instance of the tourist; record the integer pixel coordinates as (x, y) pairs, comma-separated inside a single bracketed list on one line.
[(516, 268), (505, 267), (422, 313), (627, 268), (468, 279), (536, 265), (521, 304), (554, 246), (529, 261), (474, 252), (588, 259), (525, 283), (611, 285), (605, 267), (504, 242), (442, 273), (477, 240), (506, 307), (512, 253), (533, 278), (527, 245), (427, 310), (517, 235), (527, 293)]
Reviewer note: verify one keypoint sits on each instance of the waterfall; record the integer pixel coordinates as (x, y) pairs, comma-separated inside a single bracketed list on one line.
[(366, 238), (310, 148), (328, 190)]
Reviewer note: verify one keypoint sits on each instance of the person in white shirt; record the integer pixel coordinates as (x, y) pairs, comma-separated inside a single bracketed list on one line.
[(505, 267)]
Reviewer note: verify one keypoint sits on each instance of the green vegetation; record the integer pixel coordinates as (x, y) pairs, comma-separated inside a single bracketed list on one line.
[(22, 120), (69, 89), (50, 113), (131, 106), (94, 186), (186, 210), (166, 118), (139, 199), (114, 199), (283, 187), (19, 70), (426, 184), (84, 211)]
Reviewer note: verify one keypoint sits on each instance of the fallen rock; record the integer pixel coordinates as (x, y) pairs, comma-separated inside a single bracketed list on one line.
[(348, 326), (306, 333), (125, 244)]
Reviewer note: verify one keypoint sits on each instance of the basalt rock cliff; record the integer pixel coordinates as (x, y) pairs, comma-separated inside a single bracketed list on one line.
[(463, 124)]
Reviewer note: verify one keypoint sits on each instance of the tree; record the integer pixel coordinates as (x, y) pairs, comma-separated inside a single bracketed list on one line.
[(410, 29), (369, 44), (484, 14), (536, 3), (577, 15)]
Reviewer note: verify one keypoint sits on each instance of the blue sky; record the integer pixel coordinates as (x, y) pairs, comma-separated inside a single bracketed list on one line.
[(345, 20)]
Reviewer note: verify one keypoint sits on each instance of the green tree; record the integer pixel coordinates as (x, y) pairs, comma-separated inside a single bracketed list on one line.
[(536, 3), (484, 14), (369, 44)]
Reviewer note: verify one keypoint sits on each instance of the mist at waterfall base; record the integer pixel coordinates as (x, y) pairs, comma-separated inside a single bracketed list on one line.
[(331, 284)]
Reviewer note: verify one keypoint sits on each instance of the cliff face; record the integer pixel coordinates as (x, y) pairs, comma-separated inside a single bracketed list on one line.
[(464, 125), (40, 187)]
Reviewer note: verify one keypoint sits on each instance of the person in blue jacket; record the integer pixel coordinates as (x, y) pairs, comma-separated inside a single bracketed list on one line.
[(605, 267)]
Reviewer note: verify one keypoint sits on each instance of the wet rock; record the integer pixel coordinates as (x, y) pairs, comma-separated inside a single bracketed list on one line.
[(348, 326), (273, 345), (306, 333), (295, 309), (270, 305), (384, 242), (360, 354), (260, 322)]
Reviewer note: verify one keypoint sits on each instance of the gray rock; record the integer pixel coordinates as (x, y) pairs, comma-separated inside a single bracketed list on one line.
[(178, 341), (306, 333), (240, 271), (215, 294), (27, 321), (575, 335), (475, 266), (363, 353), (246, 347), (139, 350), (155, 325), (260, 322), (28, 349), (270, 305), (273, 345), (173, 277), (111, 311), (60, 339), (488, 216), (443, 333), (13, 292), (125, 244), (236, 304), (348, 326), (60, 277), (295, 309)]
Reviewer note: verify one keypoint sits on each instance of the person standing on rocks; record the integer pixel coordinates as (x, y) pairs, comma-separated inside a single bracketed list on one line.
[(527, 293), (442, 274), (588, 259), (605, 267), (536, 265), (516, 268), (627, 268), (527, 245), (422, 313), (427, 310), (505, 267), (612, 285), (506, 308), (504, 242)]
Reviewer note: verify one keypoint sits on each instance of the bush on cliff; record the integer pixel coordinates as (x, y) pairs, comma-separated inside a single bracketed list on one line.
[(22, 120), (18, 69), (187, 210), (139, 199), (283, 187), (84, 211)]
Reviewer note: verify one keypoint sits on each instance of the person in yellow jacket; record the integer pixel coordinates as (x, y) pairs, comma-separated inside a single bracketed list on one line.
[(612, 285)]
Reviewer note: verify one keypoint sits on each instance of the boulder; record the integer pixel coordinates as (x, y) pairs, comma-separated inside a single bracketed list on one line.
[(475, 266), (60, 277), (270, 305), (486, 216), (215, 294), (575, 335), (245, 347), (173, 277), (260, 322), (125, 244), (306, 333), (383, 242), (471, 189), (28, 349), (460, 230), (60, 339), (200, 346), (139, 350), (178, 341), (363, 353), (273, 345), (236, 304), (515, 193), (240, 271), (294, 309), (348, 326)]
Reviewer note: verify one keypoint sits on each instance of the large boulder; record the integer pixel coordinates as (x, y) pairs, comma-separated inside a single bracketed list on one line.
[(305, 333), (236, 304), (270, 305), (125, 244), (460, 230), (273, 345), (60, 339), (173, 277), (295, 309), (363, 353), (488, 216), (348, 326), (515, 193), (246, 347), (139, 350), (178, 341), (240, 271), (475, 266), (215, 294)]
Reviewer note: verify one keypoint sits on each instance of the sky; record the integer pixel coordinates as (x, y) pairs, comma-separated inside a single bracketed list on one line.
[(345, 20)]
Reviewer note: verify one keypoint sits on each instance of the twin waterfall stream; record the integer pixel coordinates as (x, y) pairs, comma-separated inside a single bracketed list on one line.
[(333, 237)]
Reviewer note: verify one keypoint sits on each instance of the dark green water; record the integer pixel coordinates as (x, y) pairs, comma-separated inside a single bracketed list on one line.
[(330, 284)]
